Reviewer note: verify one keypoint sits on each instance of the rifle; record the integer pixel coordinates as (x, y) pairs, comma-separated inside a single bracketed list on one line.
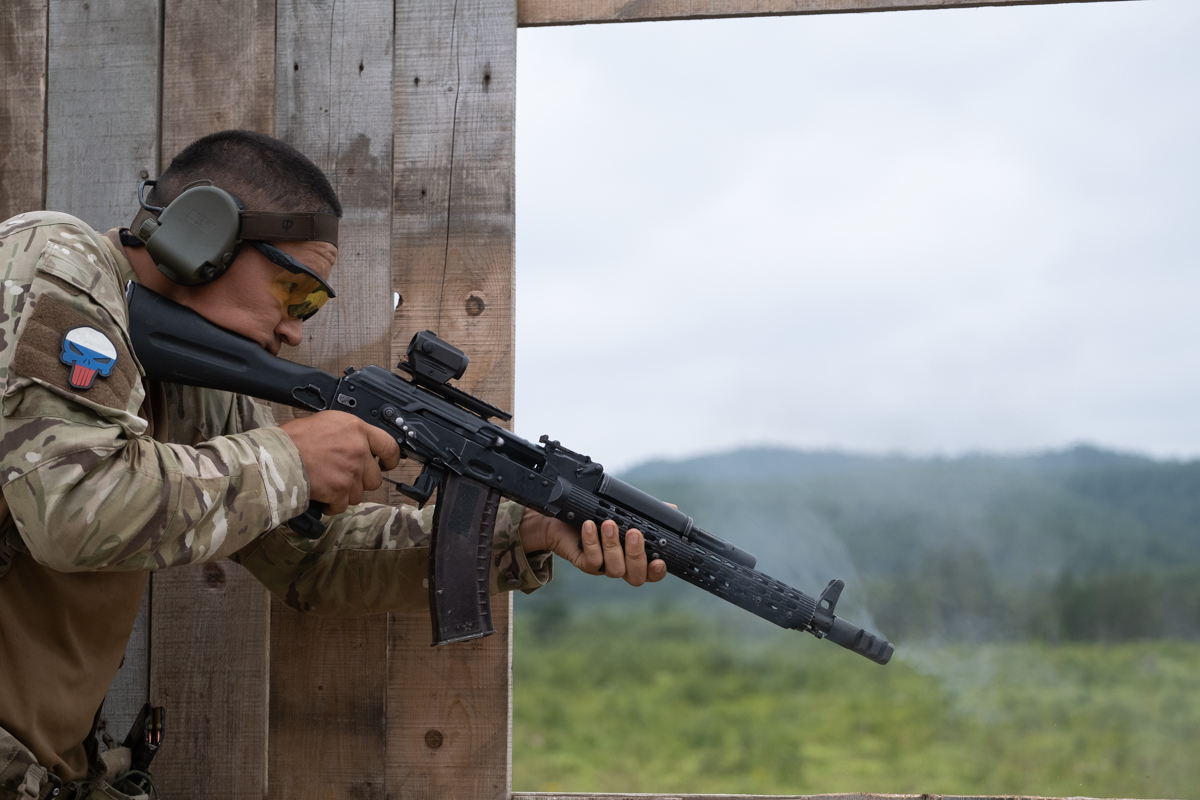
[(473, 463)]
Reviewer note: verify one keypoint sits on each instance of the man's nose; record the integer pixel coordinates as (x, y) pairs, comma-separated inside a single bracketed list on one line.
[(290, 331)]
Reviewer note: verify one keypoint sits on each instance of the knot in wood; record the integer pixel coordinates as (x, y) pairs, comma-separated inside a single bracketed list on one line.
[(214, 576), (433, 739)]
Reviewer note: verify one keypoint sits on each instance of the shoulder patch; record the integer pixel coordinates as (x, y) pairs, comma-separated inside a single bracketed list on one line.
[(59, 347), (89, 353)]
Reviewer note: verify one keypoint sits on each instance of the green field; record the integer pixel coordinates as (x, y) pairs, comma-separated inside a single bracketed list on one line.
[(633, 702)]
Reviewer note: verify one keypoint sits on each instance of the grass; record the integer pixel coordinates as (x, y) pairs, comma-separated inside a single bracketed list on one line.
[(641, 702)]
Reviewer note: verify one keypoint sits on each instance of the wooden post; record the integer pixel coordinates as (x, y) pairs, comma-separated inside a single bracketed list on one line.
[(449, 709), (23, 35), (101, 118), (409, 107), (579, 12), (328, 676), (210, 636), (95, 178)]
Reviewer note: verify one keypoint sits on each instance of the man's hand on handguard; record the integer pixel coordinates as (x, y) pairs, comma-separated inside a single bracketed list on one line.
[(339, 452), (590, 550)]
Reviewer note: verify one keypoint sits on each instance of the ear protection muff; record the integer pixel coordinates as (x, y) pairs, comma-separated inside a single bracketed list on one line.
[(195, 238)]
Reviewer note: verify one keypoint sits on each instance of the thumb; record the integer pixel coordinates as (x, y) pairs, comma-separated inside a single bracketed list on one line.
[(383, 447)]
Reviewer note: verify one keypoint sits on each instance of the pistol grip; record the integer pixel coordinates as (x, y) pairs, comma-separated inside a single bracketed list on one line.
[(309, 523), (460, 555)]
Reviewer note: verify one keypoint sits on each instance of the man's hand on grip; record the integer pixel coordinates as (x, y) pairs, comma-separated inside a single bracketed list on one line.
[(339, 452), (592, 549)]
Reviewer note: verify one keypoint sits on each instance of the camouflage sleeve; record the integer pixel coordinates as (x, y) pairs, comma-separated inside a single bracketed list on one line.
[(375, 558), (88, 489), (85, 497)]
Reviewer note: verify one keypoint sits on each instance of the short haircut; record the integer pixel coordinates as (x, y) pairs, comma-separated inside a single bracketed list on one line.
[(264, 173)]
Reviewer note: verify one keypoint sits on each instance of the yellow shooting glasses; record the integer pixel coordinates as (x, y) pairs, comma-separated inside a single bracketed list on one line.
[(310, 292)]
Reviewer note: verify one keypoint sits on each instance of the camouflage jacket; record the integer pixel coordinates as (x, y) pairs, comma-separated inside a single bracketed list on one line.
[(107, 476)]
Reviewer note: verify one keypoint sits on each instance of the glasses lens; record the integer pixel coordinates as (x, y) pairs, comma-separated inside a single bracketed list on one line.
[(308, 304), (308, 293)]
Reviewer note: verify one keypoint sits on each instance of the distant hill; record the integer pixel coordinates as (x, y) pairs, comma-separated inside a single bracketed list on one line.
[(1081, 543)]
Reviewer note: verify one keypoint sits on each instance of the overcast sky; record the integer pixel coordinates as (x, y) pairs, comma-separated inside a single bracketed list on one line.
[(927, 232)]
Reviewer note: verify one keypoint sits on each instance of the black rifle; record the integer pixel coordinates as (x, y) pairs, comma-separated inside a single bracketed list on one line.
[(473, 463)]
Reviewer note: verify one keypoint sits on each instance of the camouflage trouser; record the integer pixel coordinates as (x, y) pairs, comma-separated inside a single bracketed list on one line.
[(22, 778)]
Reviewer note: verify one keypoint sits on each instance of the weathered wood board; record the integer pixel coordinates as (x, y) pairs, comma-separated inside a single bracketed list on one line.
[(585, 795), (208, 667), (851, 796), (102, 107), (449, 709), (218, 69), (334, 103), (131, 688), (101, 139), (532, 13), (409, 107), (210, 624), (23, 35)]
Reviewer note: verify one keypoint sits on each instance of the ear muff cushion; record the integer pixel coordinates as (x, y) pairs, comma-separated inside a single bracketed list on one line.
[(197, 236)]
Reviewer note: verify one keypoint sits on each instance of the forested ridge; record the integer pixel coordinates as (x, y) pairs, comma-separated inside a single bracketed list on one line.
[(1075, 545), (1020, 591)]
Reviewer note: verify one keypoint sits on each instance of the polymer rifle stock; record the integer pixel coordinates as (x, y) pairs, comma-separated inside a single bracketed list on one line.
[(473, 463)]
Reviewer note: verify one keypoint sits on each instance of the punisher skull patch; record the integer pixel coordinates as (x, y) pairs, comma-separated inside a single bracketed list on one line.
[(87, 352)]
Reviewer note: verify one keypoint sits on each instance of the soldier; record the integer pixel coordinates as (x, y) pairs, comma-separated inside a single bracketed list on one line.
[(106, 476)]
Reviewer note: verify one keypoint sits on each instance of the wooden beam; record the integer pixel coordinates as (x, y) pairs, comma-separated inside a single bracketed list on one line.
[(449, 709), (848, 796), (534, 13), (333, 71), (210, 635), (95, 178), (23, 34)]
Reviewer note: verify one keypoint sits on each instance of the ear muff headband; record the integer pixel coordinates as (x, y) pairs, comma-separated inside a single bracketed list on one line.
[(196, 237)]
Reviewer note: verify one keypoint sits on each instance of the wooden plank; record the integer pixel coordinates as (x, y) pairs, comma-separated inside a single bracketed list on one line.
[(210, 635), (101, 139), (533, 13), (328, 675), (449, 709), (334, 103), (131, 688), (23, 42), (208, 667), (847, 796), (218, 70), (328, 683), (102, 109)]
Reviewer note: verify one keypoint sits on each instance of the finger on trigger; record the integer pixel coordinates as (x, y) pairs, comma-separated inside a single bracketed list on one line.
[(372, 476)]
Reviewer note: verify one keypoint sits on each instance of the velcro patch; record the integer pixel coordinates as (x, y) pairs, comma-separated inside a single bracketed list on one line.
[(40, 355)]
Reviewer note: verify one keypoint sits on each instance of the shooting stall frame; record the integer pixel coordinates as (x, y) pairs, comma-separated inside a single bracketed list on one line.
[(409, 106)]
